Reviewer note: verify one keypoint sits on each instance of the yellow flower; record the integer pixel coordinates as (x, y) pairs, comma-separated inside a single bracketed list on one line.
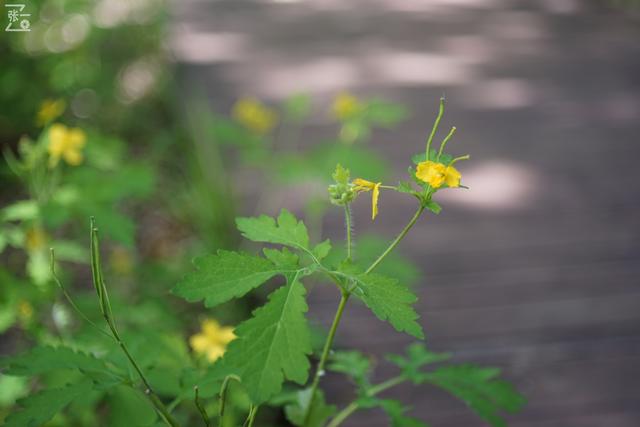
[(212, 340), (25, 311), (50, 110), (254, 115), (345, 106), (66, 143), (362, 185), (435, 174), (35, 239)]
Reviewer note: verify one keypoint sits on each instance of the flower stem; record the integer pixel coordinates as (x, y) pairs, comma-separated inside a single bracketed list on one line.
[(325, 354), (347, 221), (397, 240), (435, 127), (353, 406)]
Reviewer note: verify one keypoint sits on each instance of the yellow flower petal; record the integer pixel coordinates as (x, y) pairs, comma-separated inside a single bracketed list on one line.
[(215, 352), (452, 177), (65, 143), (212, 340), (76, 138), (374, 200), (363, 184), (50, 110), (432, 173), (199, 343)]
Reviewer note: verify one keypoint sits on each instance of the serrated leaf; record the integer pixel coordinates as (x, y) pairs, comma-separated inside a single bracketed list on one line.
[(417, 357), (40, 360), (341, 175), (353, 364), (321, 250), (273, 345), (224, 276), (287, 231), (39, 408), (389, 300), (479, 388), (129, 407), (318, 414), (405, 187), (396, 412), (281, 258)]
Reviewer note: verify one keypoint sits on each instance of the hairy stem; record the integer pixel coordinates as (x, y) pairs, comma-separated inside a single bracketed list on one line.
[(325, 354), (347, 221), (397, 240), (353, 406)]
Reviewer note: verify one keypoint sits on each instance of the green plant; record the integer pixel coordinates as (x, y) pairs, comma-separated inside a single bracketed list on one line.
[(274, 346)]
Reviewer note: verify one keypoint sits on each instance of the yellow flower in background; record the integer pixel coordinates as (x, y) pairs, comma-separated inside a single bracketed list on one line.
[(35, 239), (50, 109), (65, 143), (25, 311), (345, 106), (212, 340), (362, 185), (436, 174), (254, 115)]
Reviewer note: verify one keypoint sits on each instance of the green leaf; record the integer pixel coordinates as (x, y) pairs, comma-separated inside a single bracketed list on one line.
[(341, 175), (396, 412), (45, 359), (273, 345), (405, 187), (287, 231), (281, 258), (353, 364), (389, 300), (129, 407), (321, 250), (433, 207), (39, 408), (318, 414), (417, 357), (479, 388), (23, 210), (224, 276), (369, 247)]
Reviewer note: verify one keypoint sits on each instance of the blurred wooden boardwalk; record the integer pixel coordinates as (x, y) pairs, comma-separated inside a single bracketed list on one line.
[(536, 269)]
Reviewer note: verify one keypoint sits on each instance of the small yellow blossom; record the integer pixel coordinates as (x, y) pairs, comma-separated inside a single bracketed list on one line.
[(66, 143), (25, 311), (345, 106), (212, 340), (35, 239), (436, 174), (362, 185), (254, 115), (50, 110)]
